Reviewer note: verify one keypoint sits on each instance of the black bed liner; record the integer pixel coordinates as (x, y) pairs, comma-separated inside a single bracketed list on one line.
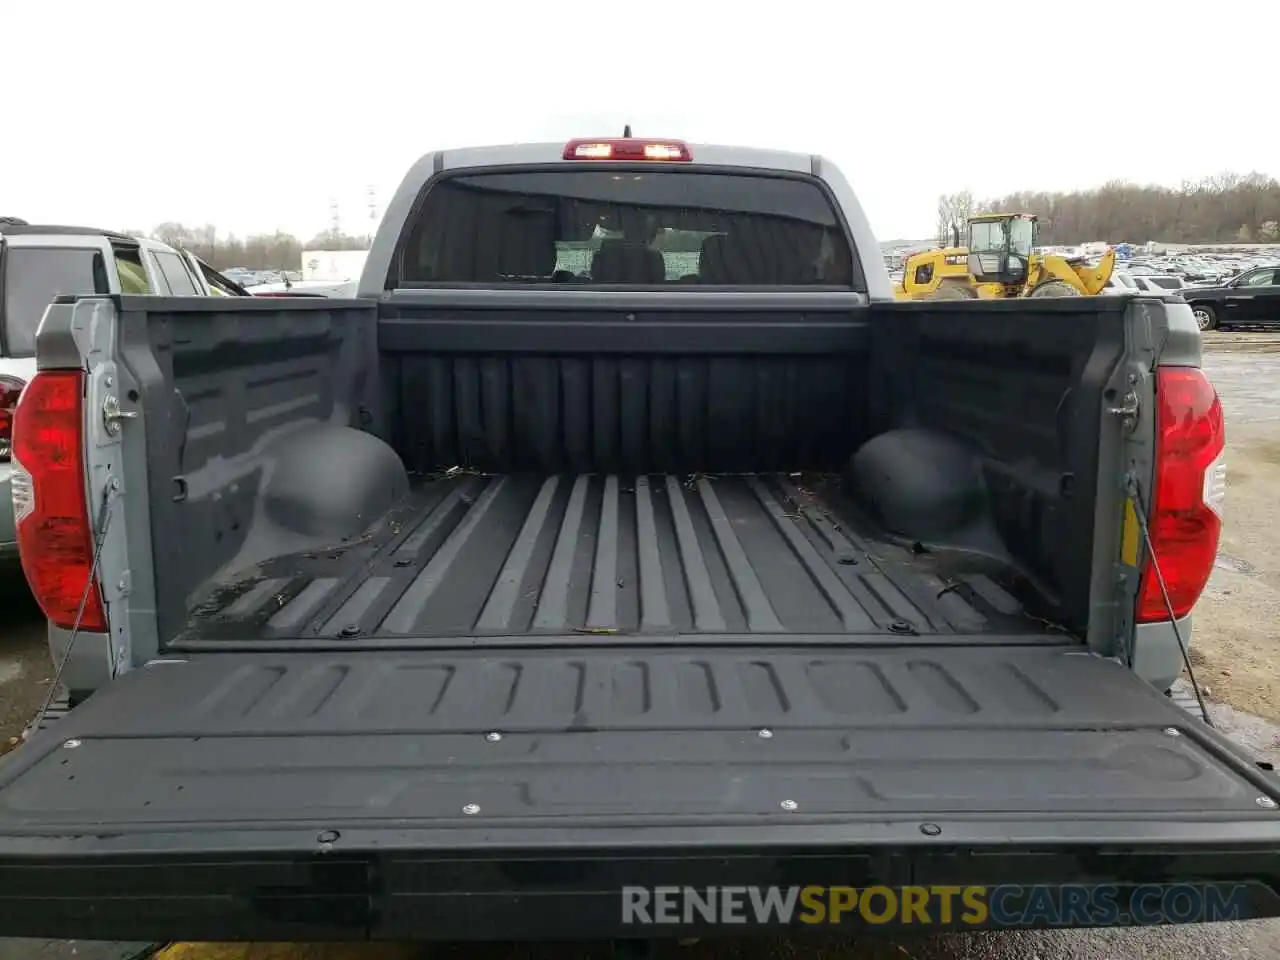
[(388, 793), (536, 555)]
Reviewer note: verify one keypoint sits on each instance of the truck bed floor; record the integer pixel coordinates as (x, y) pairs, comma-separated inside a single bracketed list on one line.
[(522, 556)]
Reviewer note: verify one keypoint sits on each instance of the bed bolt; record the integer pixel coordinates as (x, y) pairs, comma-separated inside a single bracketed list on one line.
[(471, 809), (898, 625), (493, 736), (71, 744), (930, 829), (350, 630), (764, 733), (404, 562), (327, 836), (789, 805), (847, 559), (1172, 732), (1266, 803)]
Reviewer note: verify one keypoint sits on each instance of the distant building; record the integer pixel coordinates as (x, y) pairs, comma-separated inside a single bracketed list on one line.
[(336, 265)]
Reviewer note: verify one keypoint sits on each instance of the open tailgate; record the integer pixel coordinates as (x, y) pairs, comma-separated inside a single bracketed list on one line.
[(511, 795)]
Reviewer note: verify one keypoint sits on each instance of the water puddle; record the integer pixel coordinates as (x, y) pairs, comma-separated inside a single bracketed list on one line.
[(1225, 561)]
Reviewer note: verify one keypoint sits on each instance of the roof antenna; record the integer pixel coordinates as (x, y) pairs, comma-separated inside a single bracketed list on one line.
[(626, 132)]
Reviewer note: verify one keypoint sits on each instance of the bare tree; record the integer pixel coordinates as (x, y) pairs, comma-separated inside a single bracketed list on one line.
[(954, 211), (337, 240), (1226, 208), (270, 251)]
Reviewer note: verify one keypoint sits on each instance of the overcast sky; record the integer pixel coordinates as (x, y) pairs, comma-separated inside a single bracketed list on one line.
[(255, 116)]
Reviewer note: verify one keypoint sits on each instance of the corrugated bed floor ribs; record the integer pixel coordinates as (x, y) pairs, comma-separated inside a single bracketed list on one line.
[(519, 555)]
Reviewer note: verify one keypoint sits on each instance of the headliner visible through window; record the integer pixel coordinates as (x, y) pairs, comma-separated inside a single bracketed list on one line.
[(627, 226)]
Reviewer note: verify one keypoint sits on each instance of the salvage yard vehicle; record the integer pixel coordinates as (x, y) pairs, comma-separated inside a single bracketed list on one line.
[(39, 262), (556, 562), (1251, 299), (1000, 260)]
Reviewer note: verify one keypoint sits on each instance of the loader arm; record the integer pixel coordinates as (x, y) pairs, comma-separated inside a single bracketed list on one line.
[(1095, 279), (1085, 280)]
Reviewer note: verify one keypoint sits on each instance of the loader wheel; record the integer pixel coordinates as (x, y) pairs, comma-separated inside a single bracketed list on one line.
[(1206, 318), (952, 291), (1055, 288)]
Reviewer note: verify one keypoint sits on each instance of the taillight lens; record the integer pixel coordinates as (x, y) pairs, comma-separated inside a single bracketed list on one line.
[(10, 390), (55, 538), (1190, 486)]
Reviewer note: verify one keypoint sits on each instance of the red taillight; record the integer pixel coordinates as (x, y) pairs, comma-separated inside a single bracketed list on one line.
[(627, 149), (10, 390), (55, 539), (1190, 485)]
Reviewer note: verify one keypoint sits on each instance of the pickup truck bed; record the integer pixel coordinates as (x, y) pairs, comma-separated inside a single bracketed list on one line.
[(523, 555), (451, 611)]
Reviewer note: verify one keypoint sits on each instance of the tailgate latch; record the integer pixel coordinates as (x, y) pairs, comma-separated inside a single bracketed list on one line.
[(1127, 409), (112, 414)]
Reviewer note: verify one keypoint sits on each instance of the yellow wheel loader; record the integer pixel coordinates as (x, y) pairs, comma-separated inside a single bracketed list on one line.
[(999, 262)]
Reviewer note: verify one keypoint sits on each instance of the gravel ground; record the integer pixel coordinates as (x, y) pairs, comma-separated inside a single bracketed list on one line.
[(1238, 655), (24, 659), (1237, 649)]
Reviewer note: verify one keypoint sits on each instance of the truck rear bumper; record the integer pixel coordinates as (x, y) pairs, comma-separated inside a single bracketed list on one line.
[(470, 795), (584, 887)]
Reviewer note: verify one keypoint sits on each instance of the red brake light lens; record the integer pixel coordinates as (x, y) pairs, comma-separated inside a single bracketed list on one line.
[(55, 538), (628, 149), (10, 390), (1190, 486)]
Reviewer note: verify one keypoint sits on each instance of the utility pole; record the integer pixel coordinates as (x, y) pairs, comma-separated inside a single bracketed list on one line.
[(373, 212), (335, 219)]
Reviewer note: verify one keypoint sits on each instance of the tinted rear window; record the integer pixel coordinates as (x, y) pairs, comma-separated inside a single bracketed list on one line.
[(627, 226), (33, 276)]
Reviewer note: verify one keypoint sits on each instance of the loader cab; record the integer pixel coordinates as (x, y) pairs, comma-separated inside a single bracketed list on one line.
[(1000, 248)]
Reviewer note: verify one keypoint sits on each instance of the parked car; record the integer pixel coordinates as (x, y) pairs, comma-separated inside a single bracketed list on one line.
[(1250, 299), (557, 561), (1168, 283), (39, 262), (1120, 282), (306, 288)]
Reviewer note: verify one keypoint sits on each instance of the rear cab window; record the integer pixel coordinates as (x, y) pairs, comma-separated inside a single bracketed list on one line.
[(630, 225), (32, 277)]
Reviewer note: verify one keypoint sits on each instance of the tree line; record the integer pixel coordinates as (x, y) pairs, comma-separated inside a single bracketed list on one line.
[(1228, 208), (259, 251)]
